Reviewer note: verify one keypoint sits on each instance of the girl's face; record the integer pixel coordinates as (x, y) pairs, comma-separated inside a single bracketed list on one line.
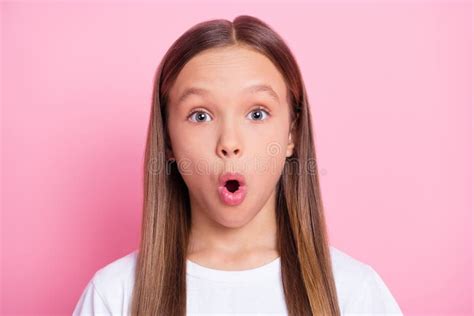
[(220, 120)]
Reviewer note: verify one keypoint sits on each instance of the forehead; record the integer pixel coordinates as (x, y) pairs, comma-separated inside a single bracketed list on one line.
[(228, 73)]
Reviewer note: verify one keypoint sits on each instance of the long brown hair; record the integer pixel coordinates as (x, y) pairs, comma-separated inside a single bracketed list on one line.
[(306, 269)]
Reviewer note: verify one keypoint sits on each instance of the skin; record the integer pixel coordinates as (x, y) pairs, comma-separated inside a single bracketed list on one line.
[(229, 133)]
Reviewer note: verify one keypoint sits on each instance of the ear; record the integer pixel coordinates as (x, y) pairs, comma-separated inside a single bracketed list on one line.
[(169, 153), (291, 145)]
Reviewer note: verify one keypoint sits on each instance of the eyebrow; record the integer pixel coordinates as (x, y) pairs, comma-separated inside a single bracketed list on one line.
[(250, 89)]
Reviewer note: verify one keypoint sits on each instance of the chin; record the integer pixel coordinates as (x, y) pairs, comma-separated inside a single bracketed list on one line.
[(234, 217)]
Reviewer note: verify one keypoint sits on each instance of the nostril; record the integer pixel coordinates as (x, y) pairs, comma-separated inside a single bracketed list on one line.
[(232, 185), (227, 152)]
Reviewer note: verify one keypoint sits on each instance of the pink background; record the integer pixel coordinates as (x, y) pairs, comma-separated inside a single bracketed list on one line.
[(390, 88)]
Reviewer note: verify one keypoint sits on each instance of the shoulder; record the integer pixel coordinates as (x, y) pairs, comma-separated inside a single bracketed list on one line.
[(118, 272), (360, 288), (110, 288), (346, 268)]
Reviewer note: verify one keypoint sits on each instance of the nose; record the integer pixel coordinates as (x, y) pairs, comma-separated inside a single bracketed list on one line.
[(229, 145), (229, 151)]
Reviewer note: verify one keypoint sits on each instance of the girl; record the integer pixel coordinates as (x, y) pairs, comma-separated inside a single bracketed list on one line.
[(233, 218)]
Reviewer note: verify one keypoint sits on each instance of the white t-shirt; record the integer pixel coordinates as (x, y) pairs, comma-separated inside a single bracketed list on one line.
[(259, 291)]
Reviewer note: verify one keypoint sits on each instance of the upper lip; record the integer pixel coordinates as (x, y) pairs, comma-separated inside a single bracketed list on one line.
[(231, 176)]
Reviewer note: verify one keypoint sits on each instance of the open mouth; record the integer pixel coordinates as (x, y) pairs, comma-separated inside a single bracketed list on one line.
[(232, 185), (232, 188)]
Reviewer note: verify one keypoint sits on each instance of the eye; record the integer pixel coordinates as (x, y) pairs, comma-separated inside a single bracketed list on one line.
[(200, 117), (258, 114)]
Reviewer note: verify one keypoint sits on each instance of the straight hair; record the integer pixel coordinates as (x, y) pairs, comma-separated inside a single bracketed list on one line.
[(302, 241)]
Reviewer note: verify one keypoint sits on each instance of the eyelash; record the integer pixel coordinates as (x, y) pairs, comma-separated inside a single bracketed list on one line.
[(259, 108)]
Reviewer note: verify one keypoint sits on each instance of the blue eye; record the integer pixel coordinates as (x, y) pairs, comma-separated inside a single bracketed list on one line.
[(259, 116), (201, 115)]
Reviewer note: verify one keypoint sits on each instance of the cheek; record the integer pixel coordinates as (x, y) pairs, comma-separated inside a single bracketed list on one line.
[(270, 141), (190, 142), (268, 158), (194, 154)]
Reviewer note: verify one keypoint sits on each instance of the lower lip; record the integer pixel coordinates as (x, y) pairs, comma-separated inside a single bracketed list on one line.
[(232, 198)]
